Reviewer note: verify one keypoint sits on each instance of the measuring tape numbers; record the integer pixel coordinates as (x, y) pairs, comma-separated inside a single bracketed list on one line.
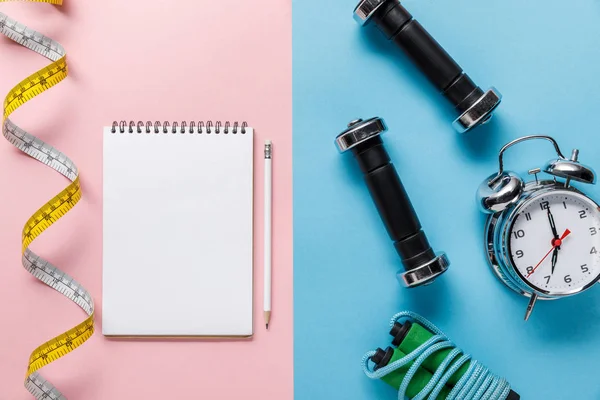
[(54, 209)]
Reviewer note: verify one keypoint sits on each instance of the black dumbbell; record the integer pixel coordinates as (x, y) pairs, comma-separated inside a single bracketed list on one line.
[(473, 104), (422, 265)]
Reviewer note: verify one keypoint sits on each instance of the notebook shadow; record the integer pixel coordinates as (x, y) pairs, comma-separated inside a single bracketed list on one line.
[(176, 339)]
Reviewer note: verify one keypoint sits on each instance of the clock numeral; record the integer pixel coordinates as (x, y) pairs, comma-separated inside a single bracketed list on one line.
[(530, 270), (528, 216), (593, 231), (565, 204), (568, 279), (593, 250), (520, 254), (519, 234), (582, 214), (584, 268), (544, 205), (547, 278)]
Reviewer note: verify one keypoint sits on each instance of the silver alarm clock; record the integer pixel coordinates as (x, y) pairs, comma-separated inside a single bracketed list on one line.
[(542, 237)]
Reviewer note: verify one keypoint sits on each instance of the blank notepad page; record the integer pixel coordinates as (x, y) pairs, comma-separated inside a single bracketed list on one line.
[(177, 234)]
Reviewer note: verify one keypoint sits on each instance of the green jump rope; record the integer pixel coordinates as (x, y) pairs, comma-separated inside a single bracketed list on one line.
[(424, 364)]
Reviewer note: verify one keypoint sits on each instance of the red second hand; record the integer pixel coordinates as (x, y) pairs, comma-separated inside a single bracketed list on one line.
[(555, 243)]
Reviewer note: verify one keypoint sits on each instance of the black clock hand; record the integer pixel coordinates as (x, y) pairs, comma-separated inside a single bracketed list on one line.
[(554, 259), (552, 224)]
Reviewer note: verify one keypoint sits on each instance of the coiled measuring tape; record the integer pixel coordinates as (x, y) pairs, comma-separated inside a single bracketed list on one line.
[(54, 209)]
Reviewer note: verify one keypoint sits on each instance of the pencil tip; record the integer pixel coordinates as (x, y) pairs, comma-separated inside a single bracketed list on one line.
[(267, 326)]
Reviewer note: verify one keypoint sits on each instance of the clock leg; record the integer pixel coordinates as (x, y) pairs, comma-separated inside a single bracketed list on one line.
[(532, 301)]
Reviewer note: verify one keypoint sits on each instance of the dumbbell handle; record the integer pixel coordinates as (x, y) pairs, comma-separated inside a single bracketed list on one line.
[(393, 204), (448, 77)]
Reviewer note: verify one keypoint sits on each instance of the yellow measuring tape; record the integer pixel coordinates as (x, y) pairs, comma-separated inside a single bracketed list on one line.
[(54, 209)]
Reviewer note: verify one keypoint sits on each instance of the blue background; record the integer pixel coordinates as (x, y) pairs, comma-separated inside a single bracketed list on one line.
[(543, 56)]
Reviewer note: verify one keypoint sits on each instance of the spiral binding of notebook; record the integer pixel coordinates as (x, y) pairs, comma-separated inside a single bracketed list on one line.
[(181, 127)]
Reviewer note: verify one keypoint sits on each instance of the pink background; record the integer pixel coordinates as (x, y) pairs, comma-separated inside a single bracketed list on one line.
[(157, 60)]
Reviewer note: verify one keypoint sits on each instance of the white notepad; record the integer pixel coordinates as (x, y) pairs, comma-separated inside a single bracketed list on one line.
[(177, 232)]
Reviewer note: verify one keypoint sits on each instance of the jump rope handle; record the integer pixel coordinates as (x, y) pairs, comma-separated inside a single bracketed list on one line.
[(422, 361)]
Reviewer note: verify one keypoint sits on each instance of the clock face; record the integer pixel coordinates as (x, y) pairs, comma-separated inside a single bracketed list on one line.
[(554, 242)]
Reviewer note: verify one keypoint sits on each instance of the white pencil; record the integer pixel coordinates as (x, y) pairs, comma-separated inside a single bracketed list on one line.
[(267, 239)]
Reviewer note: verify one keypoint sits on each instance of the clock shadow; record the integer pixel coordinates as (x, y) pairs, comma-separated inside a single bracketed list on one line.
[(575, 318)]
